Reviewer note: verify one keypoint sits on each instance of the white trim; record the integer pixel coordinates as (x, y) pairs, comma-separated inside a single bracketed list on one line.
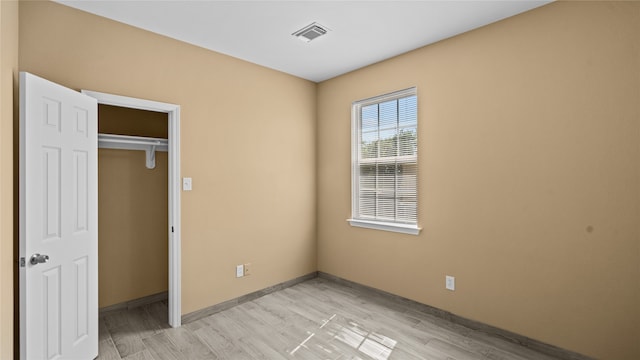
[(356, 109), (173, 112), (387, 97), (394, 227), (175, 222), (129, 102)]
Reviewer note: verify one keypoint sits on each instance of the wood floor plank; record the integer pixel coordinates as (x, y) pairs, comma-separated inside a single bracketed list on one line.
[(259, 349), (188, 345), (315, 320), (142, 355), (107, 350), (103, 332), (159, 311), (400, 354), (258, 323), (220, 344), (126, 340), (116, 318), (161, 348), (455, 351), (195, 325), (503, 350), (142, 323)]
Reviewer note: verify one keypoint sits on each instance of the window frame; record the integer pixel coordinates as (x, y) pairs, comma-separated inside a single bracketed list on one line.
[(356, 220)]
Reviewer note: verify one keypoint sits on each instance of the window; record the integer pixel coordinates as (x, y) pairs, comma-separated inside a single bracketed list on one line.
[(385, 162)]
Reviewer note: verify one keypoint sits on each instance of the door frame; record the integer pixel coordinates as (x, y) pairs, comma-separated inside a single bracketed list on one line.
[(173, 112)]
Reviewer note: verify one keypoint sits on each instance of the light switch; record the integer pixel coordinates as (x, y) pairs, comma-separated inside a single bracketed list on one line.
[(186, 184)]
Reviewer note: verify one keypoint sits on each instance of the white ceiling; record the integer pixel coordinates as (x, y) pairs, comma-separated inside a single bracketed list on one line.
[(362, 32)]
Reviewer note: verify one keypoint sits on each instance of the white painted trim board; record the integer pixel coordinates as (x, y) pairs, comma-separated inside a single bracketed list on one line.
[(173, 112)]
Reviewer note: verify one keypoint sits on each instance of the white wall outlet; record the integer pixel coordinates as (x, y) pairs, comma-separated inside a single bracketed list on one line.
[(247, 269), (186, 184), (239, 271), (450, 282)]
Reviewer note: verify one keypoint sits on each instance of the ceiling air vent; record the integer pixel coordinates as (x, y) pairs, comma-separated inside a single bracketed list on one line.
[(310, 32)]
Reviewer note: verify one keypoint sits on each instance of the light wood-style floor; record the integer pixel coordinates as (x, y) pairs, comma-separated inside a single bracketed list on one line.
[(317, 319)]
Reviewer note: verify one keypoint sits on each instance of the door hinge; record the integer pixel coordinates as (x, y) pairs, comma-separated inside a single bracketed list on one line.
[(22, 262)]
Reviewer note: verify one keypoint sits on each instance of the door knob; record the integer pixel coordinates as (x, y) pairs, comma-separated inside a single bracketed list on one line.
[(38, 259)]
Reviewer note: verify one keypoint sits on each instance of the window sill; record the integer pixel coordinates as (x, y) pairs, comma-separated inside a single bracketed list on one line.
[(385, 226)]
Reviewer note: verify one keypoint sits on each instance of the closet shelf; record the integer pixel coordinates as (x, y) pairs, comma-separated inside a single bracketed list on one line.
[(125, 142)]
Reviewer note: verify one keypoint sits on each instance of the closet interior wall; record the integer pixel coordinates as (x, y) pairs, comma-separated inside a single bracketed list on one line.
[(132, 210)]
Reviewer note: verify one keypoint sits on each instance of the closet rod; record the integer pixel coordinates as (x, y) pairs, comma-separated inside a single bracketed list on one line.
[(126, 142), (104, 139)]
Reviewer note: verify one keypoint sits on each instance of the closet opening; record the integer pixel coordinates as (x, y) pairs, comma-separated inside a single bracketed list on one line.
[(152, 129), (132, 207)]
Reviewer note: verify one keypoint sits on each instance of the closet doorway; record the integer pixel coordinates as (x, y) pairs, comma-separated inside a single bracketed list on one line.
[(172, 146)]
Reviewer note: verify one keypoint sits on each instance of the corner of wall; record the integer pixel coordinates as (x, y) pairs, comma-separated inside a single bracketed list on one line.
[(316, 117)]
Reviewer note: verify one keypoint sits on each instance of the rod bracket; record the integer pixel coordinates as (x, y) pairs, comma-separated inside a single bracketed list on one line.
[(151, 157)]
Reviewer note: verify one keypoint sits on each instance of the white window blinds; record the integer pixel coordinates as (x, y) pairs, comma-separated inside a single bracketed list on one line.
[(385, 159)]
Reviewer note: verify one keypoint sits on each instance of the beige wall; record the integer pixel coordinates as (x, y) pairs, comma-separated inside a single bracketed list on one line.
[(127, 121), (132, 218), (132, 210), (247, 140), (8, 76), (529, 177)]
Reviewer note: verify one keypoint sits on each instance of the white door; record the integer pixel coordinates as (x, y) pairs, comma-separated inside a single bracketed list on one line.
[(58, 221)]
